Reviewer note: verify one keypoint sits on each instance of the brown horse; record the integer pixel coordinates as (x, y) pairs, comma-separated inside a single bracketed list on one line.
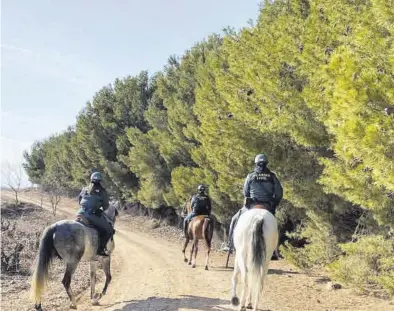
[(200, 227)]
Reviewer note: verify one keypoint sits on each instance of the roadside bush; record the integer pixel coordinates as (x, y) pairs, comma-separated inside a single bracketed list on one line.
[(368, 264)]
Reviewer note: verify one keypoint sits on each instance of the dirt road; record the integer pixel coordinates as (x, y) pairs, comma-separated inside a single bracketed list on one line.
[(149, 274)]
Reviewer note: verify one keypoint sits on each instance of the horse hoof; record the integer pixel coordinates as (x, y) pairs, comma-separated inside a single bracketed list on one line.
[(73, 306), (189, 263), (249, 306), (97, 296), (185, 260), (206, 267), (235, 301), (193, 266), (38, 307), (242, 309)]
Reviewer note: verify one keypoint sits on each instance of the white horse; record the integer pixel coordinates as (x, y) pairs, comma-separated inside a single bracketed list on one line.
[(255, 239)]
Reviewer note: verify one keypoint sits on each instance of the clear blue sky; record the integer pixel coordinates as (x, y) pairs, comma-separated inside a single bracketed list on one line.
[(57, 54)]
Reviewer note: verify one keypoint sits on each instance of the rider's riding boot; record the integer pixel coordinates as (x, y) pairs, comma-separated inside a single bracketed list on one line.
[(102, 250)]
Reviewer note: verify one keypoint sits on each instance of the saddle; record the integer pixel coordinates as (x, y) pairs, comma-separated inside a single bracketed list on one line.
[(261, 206), (84, 221), (249, 201)]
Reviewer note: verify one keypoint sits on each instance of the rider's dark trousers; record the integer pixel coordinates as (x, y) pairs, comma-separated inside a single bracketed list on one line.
[(102, 225)]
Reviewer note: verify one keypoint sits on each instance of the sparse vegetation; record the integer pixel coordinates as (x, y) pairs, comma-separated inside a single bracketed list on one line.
[(12, 178), (20, 237), (21, 228), (368, 264)]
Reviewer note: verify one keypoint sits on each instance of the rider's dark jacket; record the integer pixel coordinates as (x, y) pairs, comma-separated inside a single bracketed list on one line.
[(201, 204), (91, 202), (262, 186)]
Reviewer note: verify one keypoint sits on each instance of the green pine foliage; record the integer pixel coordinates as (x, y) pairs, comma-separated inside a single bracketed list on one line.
[(311, 85)]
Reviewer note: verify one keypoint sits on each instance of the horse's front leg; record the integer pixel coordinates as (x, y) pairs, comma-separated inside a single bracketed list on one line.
[(107, 271), (93, 296)]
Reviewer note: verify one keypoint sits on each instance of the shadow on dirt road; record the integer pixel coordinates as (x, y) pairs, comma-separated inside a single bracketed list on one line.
[(175, 304)]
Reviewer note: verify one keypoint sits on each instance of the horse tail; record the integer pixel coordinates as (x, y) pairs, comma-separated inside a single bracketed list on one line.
[(258, 243), (258, 258), (207, 229), (45, 255)]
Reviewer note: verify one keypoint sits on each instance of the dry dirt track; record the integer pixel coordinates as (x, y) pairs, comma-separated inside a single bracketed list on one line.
[(149, 274)]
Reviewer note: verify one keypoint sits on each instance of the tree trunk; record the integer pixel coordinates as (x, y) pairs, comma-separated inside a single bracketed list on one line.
[(16, 197)]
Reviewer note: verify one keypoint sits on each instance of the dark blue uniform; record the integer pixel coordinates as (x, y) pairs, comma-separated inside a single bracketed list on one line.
[(262, 187), (201, 205), (90, 202)]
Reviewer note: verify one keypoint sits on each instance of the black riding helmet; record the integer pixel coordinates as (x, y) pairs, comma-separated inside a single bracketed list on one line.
[(261, 160), (201, 189), (96, 177)]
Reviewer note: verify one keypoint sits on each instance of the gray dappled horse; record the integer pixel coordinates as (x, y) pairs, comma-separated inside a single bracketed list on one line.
[(73, 242)]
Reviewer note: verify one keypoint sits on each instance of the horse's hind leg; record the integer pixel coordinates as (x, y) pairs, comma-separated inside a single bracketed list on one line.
[(70, 269), (249, 299), (195, 252), (245, 294), (263, 275), (184, 249), (191, 254), (234, 281), (208, 244), (244, 277)]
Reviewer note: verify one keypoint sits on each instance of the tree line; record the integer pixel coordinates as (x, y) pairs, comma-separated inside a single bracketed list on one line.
[(311, 84)]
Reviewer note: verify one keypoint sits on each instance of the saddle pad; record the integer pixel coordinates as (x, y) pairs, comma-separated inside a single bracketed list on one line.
[(82, 220), (199, 217)]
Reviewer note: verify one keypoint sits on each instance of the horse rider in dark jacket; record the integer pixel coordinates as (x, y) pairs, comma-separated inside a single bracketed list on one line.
[(261, 187), (200, 205), (93, 201)]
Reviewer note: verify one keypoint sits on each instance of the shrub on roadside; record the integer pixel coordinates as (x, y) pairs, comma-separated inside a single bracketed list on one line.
[(20, 237), (368, 264), (321, 246)]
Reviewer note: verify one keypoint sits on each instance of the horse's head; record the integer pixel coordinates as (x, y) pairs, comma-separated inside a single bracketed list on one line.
[(187, 208), (111, 213)]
